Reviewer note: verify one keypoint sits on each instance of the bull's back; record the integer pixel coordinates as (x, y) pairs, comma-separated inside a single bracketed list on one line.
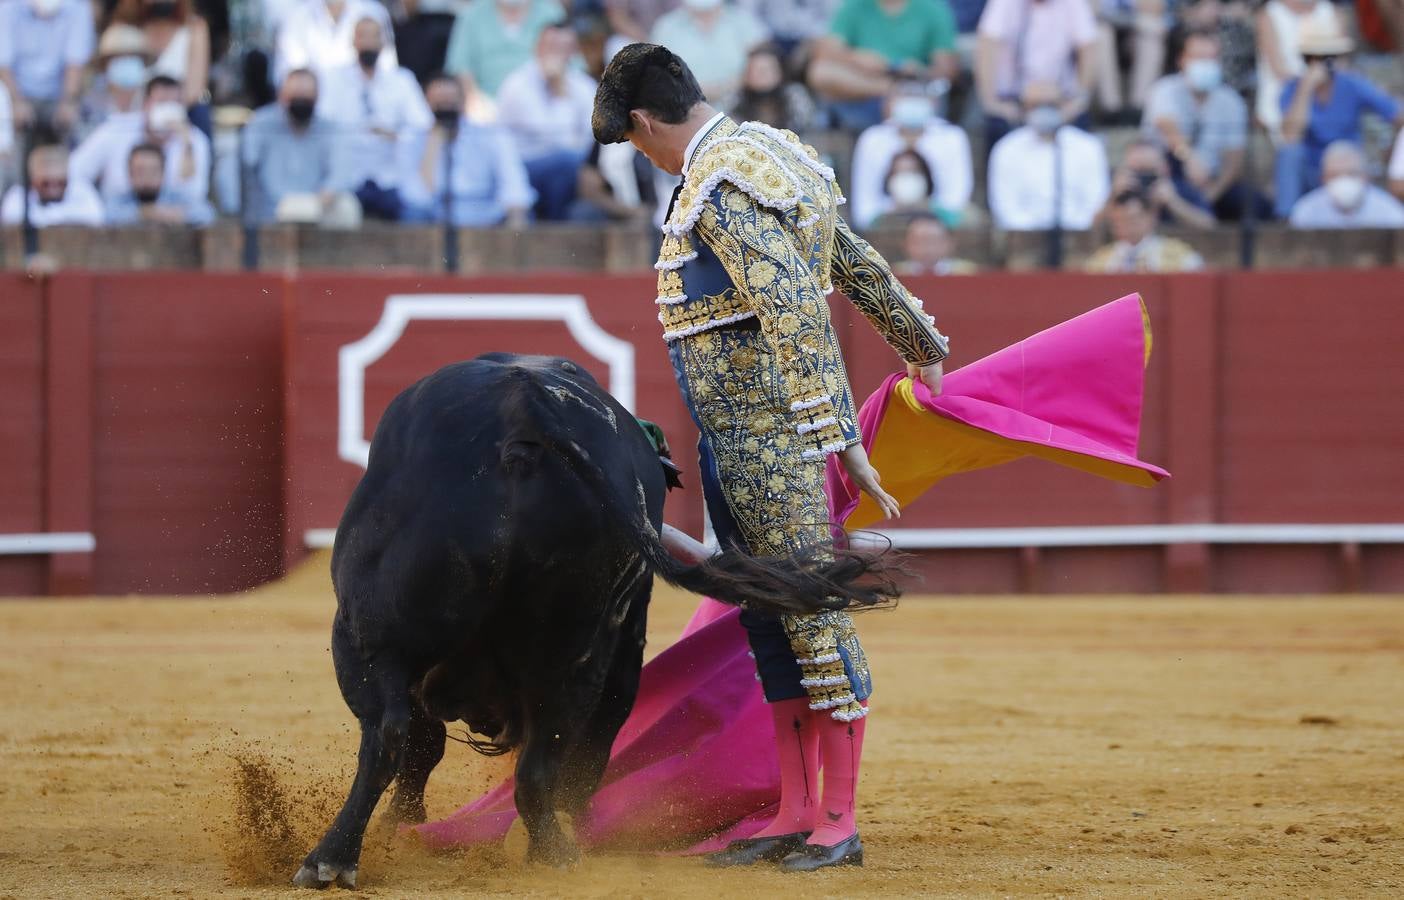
[(471, 492)]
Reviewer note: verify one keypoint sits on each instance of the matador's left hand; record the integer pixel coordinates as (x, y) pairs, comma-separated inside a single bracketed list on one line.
[(855, 463), (927, 375)]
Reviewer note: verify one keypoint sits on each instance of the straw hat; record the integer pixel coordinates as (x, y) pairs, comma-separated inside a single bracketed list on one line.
[(1316, 39), (123, 40)]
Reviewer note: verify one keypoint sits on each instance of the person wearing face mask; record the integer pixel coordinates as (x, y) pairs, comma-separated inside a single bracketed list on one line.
[(545, 106), (1346, 198), (766, 96), (149, 201), (1325, 105), (102, 159), (116, 88), (1028, 170), (290, 160), (912, 124), (1203, 125), (179, 39), (465, 172), (715, 39), (909, 189), (45, 46), (54, 199), (373, 108), (317, 35)]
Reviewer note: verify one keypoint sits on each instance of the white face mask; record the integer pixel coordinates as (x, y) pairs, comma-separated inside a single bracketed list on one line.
[(1346, 191), (1204, 75), (907, 188), (45, 8), (127, 72), (702, 5), (165, 117), (912, 112)]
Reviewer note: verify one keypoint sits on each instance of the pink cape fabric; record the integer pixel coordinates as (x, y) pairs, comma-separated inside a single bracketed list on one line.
[(694, 762)]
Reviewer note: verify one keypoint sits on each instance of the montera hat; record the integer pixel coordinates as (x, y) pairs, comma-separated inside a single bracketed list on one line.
[(633, 67)]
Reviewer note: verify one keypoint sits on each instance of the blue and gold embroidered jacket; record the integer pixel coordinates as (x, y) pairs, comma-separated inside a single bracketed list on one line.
[(755, 233)]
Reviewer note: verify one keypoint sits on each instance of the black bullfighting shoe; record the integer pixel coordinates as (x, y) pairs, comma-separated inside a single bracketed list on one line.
[(814, 856), (750, 851)]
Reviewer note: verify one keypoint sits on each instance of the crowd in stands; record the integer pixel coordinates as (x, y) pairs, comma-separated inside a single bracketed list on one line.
[(1021, 115)]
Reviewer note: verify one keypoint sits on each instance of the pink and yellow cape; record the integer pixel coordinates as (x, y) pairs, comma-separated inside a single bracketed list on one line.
[(695, 761)]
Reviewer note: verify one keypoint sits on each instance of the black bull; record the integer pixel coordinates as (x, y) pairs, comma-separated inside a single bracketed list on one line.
[(494, 566)]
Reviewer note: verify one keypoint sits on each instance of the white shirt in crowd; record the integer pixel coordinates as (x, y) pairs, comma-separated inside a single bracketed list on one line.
[(80, 205), (1396, 159), (1377, 209), (1022, 183), (946, 150), (372, 116), (101, 160), (309, 38), (541, 122)]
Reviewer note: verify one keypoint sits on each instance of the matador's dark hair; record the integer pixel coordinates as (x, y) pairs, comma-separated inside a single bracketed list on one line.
[(648, 77)]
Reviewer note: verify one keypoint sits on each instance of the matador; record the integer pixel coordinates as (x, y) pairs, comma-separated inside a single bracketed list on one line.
[(752, 245)]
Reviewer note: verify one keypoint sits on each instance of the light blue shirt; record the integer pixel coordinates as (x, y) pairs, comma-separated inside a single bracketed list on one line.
[(280, 161), (37, 50), (487, 178), (125, 210), (1377, 209), (484, 48)]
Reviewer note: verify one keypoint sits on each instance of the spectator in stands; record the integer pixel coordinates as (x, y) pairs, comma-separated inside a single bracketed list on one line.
[(1346, 199), (1044, 161), (1279, 24), (179, 40), (1136, 247), (373, 109), (615, 183), (546, 105), (101, 160), (44, 47), (1396, 167), (714, 40), (422, 29), (290, 160), (908, 190), (593, 34), (633, 20), (1027, 41), (794, 25), (464, 171), (930, 250), (7, 138), (493, 38), (317, 35), (766, 96), (122, 57), (1203, 124), (1145, 24), (1325, 105), (912, 124), (875, 43), (1232, 21), (54, 199), (149, 201), (1144, 168)]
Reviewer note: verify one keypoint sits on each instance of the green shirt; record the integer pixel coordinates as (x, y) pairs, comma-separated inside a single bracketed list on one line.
[(480, 46), (912, 35)]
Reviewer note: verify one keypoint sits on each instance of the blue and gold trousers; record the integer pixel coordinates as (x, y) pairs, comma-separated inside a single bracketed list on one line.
[(762, 495)]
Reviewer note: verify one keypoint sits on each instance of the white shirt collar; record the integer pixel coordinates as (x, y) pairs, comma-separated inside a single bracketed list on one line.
[(697, 139)]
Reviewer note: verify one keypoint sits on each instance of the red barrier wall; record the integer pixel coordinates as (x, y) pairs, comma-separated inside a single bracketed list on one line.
[(191, 422)]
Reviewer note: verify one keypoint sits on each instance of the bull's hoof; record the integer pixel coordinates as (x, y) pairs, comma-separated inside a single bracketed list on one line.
[(324, 876), (557, 856)]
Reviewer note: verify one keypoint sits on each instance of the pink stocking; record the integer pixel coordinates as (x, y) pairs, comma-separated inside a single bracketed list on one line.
[(797, 743), (842, 747)]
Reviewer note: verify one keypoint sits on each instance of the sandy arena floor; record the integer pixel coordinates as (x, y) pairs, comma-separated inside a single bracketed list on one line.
[(1118, 747)]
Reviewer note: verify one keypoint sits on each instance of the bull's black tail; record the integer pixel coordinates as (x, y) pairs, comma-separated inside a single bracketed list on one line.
[(817, 578)]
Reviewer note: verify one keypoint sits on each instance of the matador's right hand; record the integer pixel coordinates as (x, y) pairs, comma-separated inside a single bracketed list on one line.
[(856, 464)]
